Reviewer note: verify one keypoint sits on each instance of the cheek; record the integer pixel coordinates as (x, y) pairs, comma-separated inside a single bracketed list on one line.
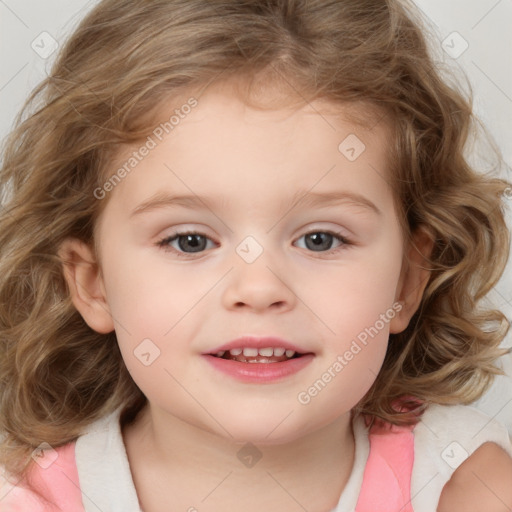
[(346, 300), (343, 382), (355, 340), (355, 304), (149, 296), (154, 306)]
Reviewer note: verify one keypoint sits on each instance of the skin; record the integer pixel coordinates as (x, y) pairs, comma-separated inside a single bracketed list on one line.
[(183, 448), (481, 483)]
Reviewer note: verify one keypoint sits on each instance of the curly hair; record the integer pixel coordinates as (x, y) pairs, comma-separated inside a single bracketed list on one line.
[(57, 375)]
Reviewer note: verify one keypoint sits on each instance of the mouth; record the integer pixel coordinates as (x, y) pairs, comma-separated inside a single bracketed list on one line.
[(258, 355), (259, 360)]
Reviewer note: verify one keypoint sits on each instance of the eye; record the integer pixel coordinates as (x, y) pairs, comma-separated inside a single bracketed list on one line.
[(321, 241), (191, 242), (185, 243)]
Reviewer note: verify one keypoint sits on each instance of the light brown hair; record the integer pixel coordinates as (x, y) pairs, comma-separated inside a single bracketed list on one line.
[(56, 374)]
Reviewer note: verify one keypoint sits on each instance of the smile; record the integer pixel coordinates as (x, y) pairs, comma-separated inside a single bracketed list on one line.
[(272, 360), (256, 371), (258, 355)]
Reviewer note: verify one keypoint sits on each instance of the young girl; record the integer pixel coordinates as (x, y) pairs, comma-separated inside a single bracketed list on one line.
[(242, 258)]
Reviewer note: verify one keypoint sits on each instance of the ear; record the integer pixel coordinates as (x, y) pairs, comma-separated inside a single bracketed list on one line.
[(413, 278), (85, 283)]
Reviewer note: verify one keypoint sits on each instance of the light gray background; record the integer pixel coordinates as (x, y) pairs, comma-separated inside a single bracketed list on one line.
[(481, 25)]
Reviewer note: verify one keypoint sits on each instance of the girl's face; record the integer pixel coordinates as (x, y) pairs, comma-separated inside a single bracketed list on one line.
[(292, 234)]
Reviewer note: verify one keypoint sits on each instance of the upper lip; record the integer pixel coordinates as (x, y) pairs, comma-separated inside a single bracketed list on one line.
[(257, 342)]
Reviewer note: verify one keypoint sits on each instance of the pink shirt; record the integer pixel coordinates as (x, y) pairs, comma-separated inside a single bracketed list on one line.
[(395, 468)]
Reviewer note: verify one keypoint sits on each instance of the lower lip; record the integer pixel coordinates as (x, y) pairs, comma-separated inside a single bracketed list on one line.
[(259, 372)]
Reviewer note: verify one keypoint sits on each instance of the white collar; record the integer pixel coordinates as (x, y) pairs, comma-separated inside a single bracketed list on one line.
[(106, 480)]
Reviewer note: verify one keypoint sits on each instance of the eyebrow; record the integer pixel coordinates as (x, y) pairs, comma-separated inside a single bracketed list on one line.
[(304, 198)]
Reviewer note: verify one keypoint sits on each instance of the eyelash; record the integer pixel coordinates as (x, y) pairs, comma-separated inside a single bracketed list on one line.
[(164, 242)]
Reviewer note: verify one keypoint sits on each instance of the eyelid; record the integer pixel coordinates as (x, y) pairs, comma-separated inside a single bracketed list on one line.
[(333, 231), (331, 227), (162, 242), (346, 242)]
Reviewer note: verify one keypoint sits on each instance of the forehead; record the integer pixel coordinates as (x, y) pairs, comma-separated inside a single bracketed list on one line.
[(227, 146)]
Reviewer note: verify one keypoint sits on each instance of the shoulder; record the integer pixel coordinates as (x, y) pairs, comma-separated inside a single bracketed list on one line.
[(450, 442), (15, 498), (481, 482), (51, 483)]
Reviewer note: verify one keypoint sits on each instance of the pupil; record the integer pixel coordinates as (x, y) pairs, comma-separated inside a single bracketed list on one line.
[(320, 241), (193, 242)]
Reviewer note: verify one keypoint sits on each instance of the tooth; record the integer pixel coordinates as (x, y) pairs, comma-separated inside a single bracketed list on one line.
[(279, 351), (250, 352), (290, 353), (220, 353), (235, 351), (267, 352)]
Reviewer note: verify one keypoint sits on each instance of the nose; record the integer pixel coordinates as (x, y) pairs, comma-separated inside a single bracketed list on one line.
[(258, 287)]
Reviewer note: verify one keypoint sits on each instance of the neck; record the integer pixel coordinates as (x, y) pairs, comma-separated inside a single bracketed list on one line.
[(169, 456)]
